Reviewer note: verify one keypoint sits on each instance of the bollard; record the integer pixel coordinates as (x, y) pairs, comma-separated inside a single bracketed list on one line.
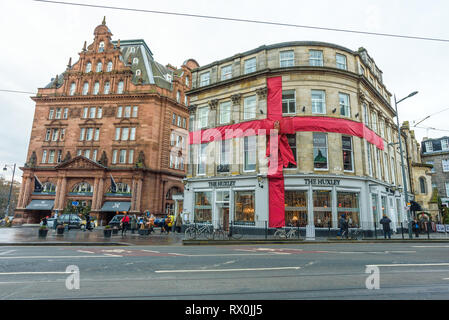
[(299, 236), (402, 230), (428, 230), (375, 229), (266, 230)]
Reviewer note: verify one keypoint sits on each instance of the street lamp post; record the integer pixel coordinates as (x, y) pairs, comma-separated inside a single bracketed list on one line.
[(10, 188), (404, 179)]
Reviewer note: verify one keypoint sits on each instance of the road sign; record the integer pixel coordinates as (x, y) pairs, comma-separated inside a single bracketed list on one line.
[(75, 203)]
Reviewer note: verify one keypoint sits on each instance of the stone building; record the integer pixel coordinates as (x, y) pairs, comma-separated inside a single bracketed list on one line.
[(421, 176), (114, 117), (334, 114), (436, 153)]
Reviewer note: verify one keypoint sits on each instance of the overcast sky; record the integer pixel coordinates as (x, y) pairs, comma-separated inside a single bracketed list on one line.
[(38, 39)]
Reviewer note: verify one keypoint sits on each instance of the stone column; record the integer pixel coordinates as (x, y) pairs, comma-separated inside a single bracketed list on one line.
[(133, 195), (100, 194), (261, 109), (21, 194), (62, 195), (236, 98), (27, 192), (139, 194), (95, 195), (57, 195)]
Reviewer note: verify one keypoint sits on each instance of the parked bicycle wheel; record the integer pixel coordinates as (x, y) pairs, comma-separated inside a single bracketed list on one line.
[(236, 235), (280, 234), (292, 234), (209, 234), (190, 233), (219, 235)]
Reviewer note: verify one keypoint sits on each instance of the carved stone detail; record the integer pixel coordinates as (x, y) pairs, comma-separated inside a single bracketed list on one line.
[(213, 104), (262, 92), (192, 108), (236, 98)]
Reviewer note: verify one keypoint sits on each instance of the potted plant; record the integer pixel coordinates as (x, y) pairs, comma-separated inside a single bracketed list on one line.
[(60, 228), (143, 231), (114, 230), (107, 231), (43, 230)]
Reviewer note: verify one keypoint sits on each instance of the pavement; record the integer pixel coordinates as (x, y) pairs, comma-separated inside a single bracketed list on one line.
[(28, 235)]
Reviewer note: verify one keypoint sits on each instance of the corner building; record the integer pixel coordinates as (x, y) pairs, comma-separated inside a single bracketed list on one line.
[(338, 123), (116, 114)]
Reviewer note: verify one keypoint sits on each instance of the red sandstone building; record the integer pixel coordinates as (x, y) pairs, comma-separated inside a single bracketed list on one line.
[(118, 113)]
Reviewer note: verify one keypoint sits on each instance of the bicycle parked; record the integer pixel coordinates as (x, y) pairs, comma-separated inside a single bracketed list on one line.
[(283, 234), (194, 231), (221, 234), (356, 234)]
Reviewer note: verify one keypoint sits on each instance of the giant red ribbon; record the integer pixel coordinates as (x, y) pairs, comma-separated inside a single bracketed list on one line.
[(279, 149)]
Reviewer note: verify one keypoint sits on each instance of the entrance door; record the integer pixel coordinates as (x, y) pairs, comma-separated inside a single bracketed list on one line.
[(225, 219)]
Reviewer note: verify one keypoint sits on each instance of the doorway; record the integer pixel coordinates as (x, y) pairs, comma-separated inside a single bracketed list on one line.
[(223, 216)]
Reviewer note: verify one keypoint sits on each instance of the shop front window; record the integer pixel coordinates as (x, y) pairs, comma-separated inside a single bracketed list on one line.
[(203, 207), (348, 204), (244, 207), (296, 208), (384, 205), (322, 208)]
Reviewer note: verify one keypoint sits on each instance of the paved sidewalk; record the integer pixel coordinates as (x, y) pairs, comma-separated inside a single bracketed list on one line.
[(24, 235)]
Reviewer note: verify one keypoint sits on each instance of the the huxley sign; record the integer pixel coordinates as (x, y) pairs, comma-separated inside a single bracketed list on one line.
[(322, 182), (221, 184)]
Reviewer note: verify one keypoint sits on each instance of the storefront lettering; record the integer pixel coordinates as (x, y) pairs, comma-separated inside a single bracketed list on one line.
[(327, 182), (221, 183)]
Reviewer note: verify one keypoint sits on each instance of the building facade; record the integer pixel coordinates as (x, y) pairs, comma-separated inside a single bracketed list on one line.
[(335, 117), (109, 133), (420, 177), (436, 153)]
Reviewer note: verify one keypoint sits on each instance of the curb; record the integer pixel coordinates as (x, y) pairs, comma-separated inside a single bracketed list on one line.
[(64, 244), (243, 242)]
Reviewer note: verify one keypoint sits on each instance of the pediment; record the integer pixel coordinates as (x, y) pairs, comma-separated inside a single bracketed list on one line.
[(80, 162)]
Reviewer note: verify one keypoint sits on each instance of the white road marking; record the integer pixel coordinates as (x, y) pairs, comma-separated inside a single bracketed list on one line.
[(445, 278), (150, 251), (409, 265), (34, 272), (430, 246), (57, 257), (85, 251), (228, 270), (112, 255), (6, 252)]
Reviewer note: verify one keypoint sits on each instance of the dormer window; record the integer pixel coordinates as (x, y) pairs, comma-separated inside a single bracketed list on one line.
[(101, 47), (168, 77), (85, 88), (138, 72), (96, 87), (99, 67), (133, 49), (72, 88), (109, 67), (88, 67), (135, 60), (106, 87), (120, 87)]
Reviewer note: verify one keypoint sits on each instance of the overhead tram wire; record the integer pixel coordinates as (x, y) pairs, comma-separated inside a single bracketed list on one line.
[(243, 20), (16, 91)]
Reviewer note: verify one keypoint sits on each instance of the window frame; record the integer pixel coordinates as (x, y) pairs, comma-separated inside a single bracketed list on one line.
[(286, 62), (322, 100), (312, 59), (249, 68)]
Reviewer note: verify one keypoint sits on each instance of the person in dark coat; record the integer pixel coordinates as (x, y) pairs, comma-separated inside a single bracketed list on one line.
[(88, 226), (385, 222), (343, 226)]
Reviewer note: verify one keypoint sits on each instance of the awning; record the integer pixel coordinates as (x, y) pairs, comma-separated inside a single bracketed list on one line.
[(40, 205), (113, 206), (415, 206)]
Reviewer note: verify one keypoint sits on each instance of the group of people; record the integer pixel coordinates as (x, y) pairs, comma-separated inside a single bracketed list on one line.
[(149, 221), (344, 223)]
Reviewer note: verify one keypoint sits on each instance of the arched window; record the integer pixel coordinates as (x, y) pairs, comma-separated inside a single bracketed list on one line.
[(96, 87), (120, 87), (99, 67), (178, 97), (109, 67), (72, 88), (48, 187), (122, 188), (171, 192), (135, 61), (138, 72), (88, 67), (85, 88), (101, 47), (422, 185), (106, 87), (82, 187)]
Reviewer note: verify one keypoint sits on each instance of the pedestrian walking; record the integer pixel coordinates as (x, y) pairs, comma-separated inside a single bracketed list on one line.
[(88, 226), (385, 222), (125, 223), (343, 226), (44, 221), (178, 223), (415, 228)]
